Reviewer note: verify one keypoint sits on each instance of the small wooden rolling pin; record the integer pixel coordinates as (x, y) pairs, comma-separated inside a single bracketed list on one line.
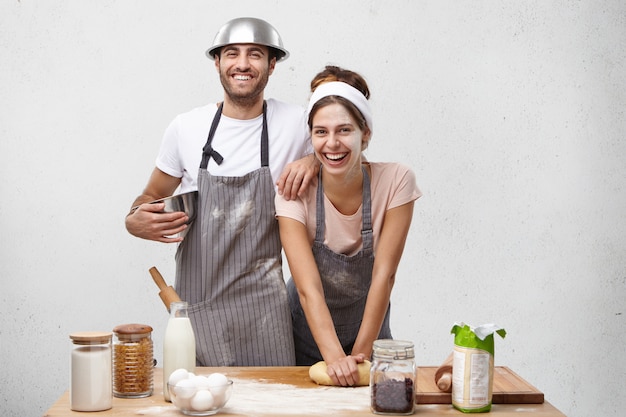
[(168, 294), (443, 375)]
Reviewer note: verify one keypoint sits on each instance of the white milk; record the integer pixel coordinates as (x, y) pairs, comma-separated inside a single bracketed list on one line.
[(179, 348)]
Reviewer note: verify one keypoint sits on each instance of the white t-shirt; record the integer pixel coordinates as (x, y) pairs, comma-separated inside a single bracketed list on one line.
[(238, 141), (391, 185)]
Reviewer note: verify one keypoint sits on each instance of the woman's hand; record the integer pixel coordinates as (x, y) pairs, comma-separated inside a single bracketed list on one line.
[(344, 371)]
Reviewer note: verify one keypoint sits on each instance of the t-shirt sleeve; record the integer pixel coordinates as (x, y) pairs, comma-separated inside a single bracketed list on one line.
[(406, 189), (293, 209), (168, 159)]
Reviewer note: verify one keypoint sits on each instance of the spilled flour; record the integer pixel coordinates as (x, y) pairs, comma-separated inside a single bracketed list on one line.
[(256, 398)]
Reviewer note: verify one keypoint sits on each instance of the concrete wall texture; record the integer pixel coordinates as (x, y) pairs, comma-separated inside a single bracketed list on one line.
[(511, 113)]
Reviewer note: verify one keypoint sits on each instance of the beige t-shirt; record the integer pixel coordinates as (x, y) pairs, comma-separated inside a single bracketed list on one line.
[(392, 185)]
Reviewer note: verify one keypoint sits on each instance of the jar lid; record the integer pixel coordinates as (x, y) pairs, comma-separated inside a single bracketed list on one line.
[(394, 349), (127, 331), (90, 338)]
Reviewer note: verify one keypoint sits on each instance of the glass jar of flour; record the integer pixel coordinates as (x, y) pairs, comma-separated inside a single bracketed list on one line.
[(90, 371)]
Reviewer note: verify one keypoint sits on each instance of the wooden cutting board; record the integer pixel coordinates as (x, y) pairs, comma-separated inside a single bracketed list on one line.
[(508, 388)]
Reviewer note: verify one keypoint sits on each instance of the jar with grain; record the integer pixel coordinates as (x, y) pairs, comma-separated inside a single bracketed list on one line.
[(133, 361), (90, 371), (392, 377)]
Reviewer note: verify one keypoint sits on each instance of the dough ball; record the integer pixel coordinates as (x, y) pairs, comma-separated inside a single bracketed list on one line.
[(319, 375)]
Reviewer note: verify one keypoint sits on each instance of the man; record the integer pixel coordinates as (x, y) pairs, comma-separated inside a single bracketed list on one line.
[(228, 265)]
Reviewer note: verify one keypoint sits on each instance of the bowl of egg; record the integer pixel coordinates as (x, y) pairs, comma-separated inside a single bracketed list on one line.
[(199, 395)]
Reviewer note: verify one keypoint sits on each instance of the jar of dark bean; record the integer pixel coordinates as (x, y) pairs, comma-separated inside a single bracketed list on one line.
[(392, 377)]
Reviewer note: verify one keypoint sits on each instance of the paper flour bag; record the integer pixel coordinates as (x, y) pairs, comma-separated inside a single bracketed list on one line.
[(472, 369)]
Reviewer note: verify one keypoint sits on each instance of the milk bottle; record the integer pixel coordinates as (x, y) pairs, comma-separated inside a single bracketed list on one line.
[(179, 345)]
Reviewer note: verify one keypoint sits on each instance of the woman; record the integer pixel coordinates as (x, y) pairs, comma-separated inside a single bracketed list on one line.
[(339, 292)]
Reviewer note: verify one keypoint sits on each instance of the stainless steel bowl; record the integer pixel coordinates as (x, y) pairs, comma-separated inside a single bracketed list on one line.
[(185, 202), (248, 30)]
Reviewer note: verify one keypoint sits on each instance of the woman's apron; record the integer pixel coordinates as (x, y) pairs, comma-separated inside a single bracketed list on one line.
[(346, 281), (229, 268)]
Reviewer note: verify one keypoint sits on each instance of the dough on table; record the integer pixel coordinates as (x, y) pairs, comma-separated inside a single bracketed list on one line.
[(319, 375)]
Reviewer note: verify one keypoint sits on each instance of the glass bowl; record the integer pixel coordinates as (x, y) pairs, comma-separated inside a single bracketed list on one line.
[(194, 400)]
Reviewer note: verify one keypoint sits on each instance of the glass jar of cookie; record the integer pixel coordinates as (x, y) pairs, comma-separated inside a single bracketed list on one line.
[(133, 361)]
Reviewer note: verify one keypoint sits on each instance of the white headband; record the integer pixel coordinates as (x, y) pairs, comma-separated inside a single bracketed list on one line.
[(341, 89)]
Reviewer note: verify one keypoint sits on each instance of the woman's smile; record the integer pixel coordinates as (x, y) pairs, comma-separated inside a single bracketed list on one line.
[(336, 138), (335, 156)]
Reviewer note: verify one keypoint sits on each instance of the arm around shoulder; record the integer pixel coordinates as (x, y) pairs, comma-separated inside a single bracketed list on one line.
[(297, 176)]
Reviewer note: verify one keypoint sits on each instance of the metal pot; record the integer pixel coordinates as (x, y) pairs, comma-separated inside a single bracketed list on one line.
[(185, 202)]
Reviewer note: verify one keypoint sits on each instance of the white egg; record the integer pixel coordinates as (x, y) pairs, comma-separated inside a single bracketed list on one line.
[(217, 380), (202, 382), (178, 375), (218, 384), (202, 401), (219, 399), (182, 403), (185, 388)]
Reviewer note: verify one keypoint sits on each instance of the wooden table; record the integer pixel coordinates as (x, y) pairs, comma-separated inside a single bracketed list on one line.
[(286, 391)]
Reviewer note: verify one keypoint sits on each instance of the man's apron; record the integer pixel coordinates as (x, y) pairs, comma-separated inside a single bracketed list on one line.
[(229, 268), (346, 281)]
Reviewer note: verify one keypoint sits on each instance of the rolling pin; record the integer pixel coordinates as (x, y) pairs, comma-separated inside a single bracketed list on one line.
[(443, 375), (168, 294)]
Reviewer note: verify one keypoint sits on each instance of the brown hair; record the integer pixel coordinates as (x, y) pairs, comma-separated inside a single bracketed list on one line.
[(334, 73)]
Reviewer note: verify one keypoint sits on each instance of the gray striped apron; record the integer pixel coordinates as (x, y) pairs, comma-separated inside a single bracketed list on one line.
[(229, 268), (346, 282)]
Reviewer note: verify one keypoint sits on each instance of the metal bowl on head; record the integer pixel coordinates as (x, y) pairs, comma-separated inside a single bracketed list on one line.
[(185, 202), (248, 30)]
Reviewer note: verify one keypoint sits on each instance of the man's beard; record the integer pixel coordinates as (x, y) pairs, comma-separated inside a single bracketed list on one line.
[(248, 98)]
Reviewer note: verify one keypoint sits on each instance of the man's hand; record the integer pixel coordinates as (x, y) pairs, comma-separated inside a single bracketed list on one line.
[(297, 176), (149, 221)]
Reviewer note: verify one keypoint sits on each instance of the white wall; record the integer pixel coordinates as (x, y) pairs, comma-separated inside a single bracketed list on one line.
[(510, 112)]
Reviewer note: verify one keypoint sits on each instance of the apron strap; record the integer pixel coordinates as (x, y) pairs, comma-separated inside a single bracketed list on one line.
[(319, 210), (265, 139), (367, 233), (208, 152)]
